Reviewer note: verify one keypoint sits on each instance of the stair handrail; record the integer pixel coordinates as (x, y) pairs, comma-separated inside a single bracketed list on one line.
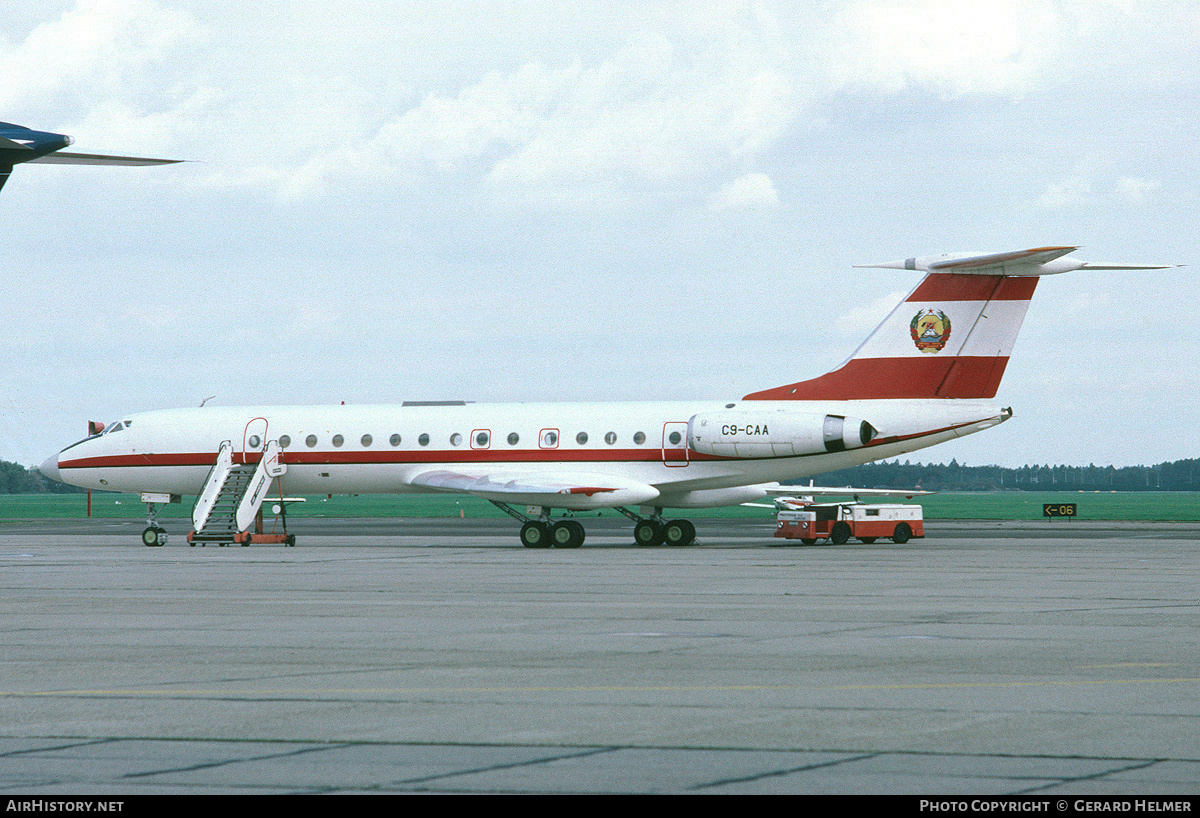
[(269, 467), (212, 486)]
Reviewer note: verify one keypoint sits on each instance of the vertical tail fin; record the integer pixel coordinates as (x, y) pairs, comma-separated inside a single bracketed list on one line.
[(951, 337)]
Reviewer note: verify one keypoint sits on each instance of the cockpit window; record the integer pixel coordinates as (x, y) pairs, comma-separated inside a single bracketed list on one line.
[(116, 427)]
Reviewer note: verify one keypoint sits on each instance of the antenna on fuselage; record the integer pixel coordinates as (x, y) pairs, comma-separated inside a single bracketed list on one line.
[(206, 400)]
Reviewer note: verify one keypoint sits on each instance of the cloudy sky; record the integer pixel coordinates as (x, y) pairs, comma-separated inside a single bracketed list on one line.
[(572, 201)]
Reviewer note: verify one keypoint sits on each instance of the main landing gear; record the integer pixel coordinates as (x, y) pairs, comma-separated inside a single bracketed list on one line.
[(654, 530), (542, 532)]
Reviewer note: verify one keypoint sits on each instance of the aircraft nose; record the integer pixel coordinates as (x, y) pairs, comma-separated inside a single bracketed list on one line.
[(50, 468)]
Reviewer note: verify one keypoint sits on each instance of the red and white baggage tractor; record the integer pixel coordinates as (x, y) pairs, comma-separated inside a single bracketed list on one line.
[(838, 522)]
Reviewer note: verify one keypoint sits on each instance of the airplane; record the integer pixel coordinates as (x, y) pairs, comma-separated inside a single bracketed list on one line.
[(19, 144), (927, 374)]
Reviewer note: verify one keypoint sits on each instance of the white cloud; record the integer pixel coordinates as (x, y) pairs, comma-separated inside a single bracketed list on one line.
[(1065, 193), (647, 114), (749, 192), (1135, 188), (1085, 186), (111, 63), (953, 48)]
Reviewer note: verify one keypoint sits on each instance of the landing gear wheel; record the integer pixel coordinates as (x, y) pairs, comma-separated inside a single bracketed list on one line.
[(578, 527), (902, 533), (840, 534), (647, 533), (154, 537), (535, 535), (679, 532), (567, 534)]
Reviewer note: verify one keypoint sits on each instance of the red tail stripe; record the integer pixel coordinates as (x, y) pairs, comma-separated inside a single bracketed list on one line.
[(881, 378), (963, 287)]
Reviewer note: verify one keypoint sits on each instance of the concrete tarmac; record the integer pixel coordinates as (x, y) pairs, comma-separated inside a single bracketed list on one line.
[(440, 656)]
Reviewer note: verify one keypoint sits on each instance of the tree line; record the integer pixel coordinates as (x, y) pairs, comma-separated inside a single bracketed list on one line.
[(16, 479), (1180, 475)]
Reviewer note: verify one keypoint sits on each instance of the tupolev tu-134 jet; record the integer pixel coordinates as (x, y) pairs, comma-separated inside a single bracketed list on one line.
[(927, 374), (19, 144)]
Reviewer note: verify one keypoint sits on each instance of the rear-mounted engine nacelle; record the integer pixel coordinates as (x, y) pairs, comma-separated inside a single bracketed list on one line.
[(775, 434)]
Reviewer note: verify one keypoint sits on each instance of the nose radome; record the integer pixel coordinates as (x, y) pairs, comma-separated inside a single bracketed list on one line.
[(50, 468)]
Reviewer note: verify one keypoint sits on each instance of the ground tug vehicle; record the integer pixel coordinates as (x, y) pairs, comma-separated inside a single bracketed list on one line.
[(838, 522)]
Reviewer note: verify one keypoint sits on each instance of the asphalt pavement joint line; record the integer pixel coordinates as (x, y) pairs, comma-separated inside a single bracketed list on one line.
[(776, 773), (339, 695), (1092, 777), (494, 767), (68, 746), (228, 761)]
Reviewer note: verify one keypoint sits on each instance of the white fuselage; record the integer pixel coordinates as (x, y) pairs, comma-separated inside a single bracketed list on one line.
[(381, 449)]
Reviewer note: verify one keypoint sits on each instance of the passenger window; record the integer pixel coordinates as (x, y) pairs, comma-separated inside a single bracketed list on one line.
[(513, 437), (310, 441), (455, 439), (674, 438), (581, 438), (639, 438), (394, 440), (285, 441), (366, 441), (338, 440), (481, 439), (610, 438), (423, 440)]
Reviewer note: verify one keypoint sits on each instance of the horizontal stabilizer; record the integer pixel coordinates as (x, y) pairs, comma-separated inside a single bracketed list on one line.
[(61, 158), (1033, 262), (1107, 265)]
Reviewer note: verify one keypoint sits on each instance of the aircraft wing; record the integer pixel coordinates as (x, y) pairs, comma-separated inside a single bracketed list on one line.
[(842, 491), (60, 158), (573, 490)]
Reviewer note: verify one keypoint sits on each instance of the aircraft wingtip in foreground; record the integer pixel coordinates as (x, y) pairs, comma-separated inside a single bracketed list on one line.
[(927, 374), (19, 144)]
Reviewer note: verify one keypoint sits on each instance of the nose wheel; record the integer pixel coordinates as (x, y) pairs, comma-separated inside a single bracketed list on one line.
[(154, 537)]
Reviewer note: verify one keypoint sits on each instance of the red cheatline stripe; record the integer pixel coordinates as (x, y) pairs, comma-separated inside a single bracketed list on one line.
[(882, 378), (962, 287), (293, 457), (358, 459)]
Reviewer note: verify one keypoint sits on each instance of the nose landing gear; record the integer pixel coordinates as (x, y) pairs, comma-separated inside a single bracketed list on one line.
[(154, 535)]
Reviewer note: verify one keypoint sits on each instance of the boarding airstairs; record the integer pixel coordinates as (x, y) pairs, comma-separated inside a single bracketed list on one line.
[(232, 498)]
